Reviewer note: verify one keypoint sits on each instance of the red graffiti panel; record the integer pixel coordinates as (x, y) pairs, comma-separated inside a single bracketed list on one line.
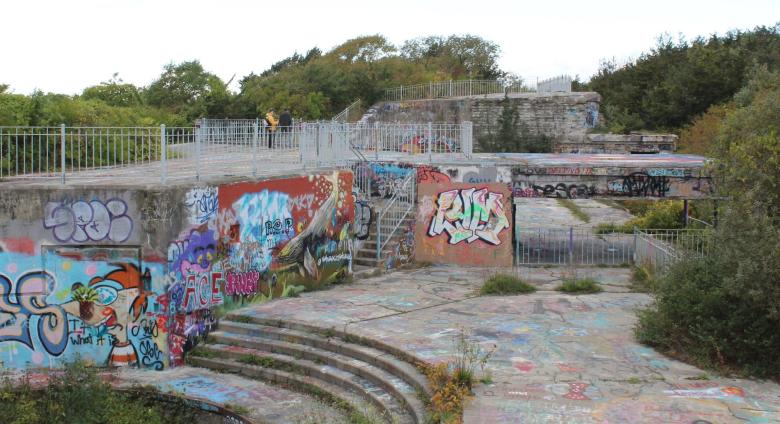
[(465, 224)]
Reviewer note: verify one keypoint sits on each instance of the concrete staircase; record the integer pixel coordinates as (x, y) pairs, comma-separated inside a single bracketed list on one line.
[(365, 258), (343, 369)]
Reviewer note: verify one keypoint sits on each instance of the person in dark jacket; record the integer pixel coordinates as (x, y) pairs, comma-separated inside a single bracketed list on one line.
[(285, 120)]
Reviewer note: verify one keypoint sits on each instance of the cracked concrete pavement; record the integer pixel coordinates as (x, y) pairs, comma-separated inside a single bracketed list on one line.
[(559, 358)]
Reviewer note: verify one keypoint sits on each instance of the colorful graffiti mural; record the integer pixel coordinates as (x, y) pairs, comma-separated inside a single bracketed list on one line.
[(261, 240), (70, 302), (97, 297), (463, 223), (384, 178)]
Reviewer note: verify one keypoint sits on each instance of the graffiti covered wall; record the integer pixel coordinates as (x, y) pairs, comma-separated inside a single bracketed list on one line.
[(137, 278), (462, 223)]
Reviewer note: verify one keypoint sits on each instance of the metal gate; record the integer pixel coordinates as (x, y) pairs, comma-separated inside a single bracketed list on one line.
[(572, 246)]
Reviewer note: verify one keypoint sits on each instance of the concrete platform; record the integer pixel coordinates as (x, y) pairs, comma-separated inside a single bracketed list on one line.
[(559, 358)]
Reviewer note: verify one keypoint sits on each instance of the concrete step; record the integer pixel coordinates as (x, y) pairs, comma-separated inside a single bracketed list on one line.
[(390, 406), (374, 352), (371, 262), (301, 354), (346, 400)]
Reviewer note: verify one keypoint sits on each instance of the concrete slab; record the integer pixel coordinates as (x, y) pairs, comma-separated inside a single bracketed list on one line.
[(558, 358), (265, 403)]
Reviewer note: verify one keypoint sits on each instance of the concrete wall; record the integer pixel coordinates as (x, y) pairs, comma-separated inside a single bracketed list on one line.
[(136, 276), (565, 117), (465, 224)]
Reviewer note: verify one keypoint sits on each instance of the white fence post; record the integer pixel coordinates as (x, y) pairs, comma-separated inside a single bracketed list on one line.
[(62, 152), (430, 142), (254, 148), (163, 155), (198, 137)]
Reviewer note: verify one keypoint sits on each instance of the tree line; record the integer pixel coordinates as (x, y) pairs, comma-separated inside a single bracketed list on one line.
[(315, 85)]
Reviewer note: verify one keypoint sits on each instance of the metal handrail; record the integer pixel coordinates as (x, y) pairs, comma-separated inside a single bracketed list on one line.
[(464, 88), (343, 116), (407, 191)]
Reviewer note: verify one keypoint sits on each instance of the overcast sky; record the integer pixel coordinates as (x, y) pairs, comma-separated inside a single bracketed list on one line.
[(64, 46)]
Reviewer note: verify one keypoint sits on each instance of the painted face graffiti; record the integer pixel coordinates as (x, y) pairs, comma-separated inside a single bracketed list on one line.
[(469, 215), (112, 302)]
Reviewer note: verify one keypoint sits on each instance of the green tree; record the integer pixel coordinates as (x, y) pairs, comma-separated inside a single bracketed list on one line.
[(460, 57), (669, 86), (114, 92), (724, 310), (187, 89)]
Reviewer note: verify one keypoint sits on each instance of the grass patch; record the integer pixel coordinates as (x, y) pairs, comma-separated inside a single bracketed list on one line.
[(502, 284), (80, 394), (580, 285), (241, 318), (267, 362), (203, 352), (349, 338), (575, 209), (611, 228), (238, 409), (642, 280)]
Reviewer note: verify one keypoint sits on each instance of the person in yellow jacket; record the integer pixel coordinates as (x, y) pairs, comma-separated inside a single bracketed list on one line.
[(271, 122)]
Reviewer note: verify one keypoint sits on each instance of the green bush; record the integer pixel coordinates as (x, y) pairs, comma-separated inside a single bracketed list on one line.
[(501, 284), (724, 311), (641, 279), (579, 286), (80, 396), (701, 314)]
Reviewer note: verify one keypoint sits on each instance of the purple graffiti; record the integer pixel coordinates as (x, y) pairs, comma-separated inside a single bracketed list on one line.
[(82, 221), (28, 301), (194, 254)]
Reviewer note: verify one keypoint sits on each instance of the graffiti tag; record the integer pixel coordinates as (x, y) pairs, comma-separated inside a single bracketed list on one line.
[(83, 221), (29, 300), (362, 220), (202, 203), (469, 215)]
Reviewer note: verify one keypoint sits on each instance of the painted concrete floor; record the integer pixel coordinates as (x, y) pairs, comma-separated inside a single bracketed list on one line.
[(265, 403), (559, 358), (540, 212)]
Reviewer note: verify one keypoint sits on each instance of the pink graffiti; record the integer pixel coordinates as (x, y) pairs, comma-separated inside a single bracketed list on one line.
[(577, 391), (242, 283)]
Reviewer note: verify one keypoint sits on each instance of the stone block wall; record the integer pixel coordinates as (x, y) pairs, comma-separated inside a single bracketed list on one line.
[(564, 117)]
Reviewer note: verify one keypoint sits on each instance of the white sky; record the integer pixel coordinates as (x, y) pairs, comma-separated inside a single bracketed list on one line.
[(64, 46)]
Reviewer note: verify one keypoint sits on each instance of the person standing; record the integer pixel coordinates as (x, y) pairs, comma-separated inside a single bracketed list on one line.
[(285, 125), (271, 122), (285, 120)]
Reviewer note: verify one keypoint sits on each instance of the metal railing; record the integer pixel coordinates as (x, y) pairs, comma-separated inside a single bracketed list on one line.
[(465, 88), (571, 246), (657, 250), (55, 152), (560, 83), (412, 139), (351, 113), (214, 147), (395, 211), (460, 88)]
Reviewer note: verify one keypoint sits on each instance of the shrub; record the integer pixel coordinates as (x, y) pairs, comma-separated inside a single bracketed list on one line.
[(79, 395), (724, 311), (641, 279), (450, 389), (583, 285), (501, 284)]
